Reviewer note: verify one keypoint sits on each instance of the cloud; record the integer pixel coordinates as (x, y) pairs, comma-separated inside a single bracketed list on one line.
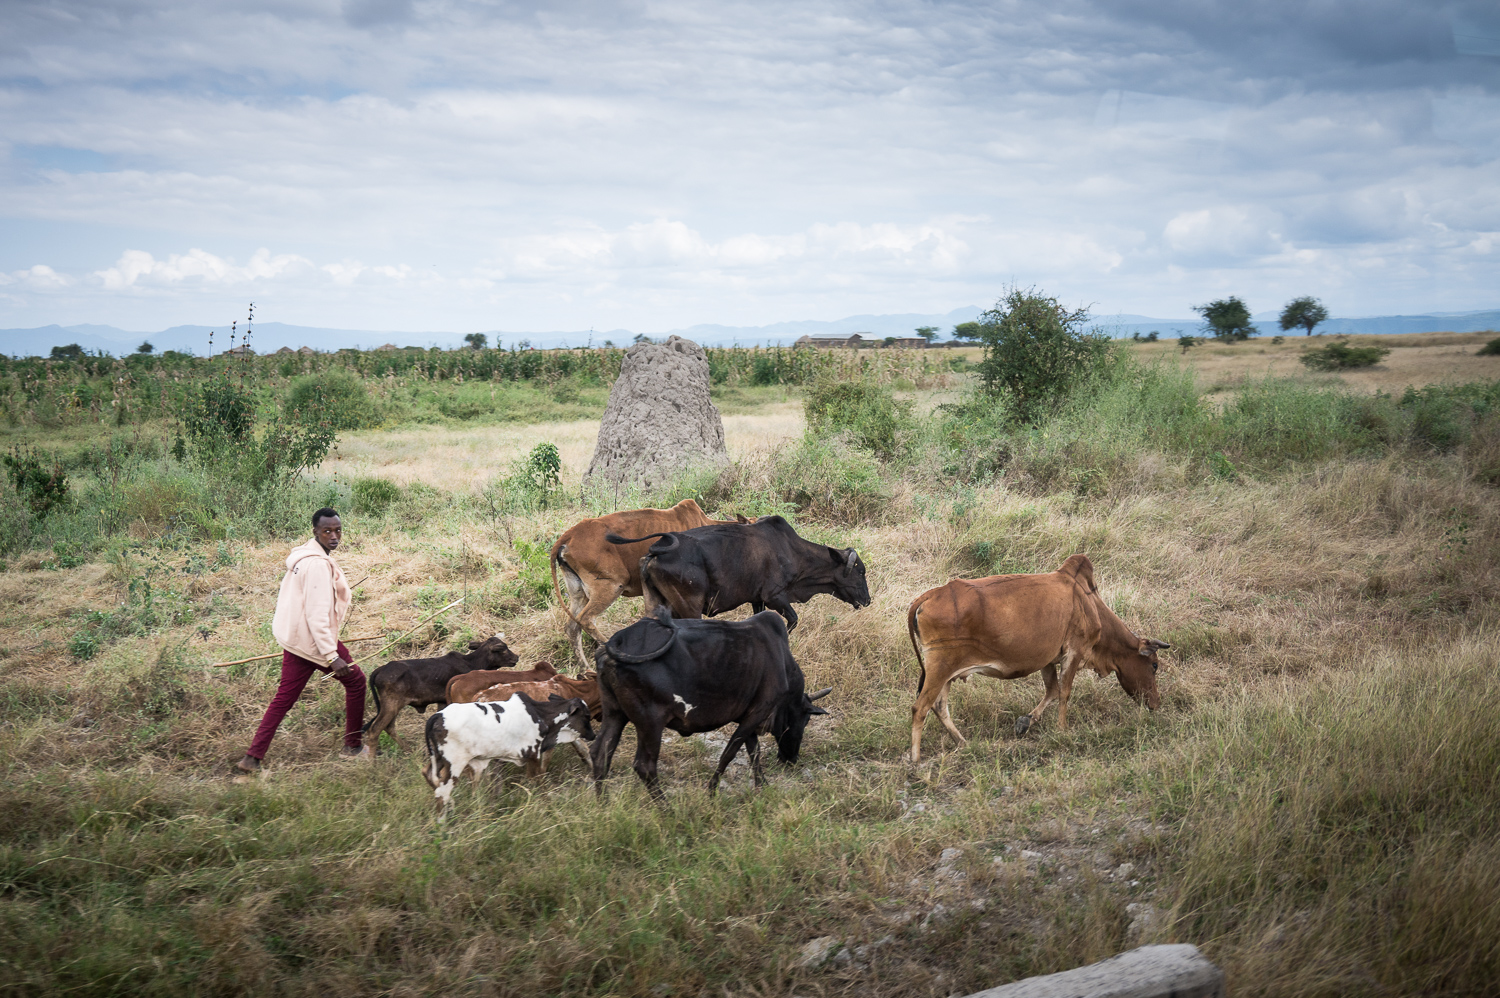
[(137, 268), (37, 278), (663, 164)]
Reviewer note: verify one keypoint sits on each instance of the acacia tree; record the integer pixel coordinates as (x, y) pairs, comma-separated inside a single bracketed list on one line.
[(1227, 318), (476, 341), (1306, 312), (928, 333), (966, 331)]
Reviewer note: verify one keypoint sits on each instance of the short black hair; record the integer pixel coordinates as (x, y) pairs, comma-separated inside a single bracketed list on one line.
[(323, 514)]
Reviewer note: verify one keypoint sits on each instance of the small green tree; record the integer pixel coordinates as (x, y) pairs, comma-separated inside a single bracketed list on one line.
[(966, 331), (1036, 351), (1306, 312), (70, 352), (477, 341), (146, 348), (1187, 342), (928, 333), (1227, 318)]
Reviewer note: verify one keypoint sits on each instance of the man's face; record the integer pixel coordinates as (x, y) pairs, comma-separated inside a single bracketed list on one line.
[(328, 532)]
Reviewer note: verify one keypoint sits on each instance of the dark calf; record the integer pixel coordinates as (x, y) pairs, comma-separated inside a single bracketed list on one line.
[(420, 682)]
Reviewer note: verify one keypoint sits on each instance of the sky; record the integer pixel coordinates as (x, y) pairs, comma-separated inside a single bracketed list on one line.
[(439, 164)]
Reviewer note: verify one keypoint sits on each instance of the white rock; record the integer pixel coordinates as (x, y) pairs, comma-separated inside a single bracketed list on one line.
[(816, 952), (1030, 855), (1124, 870), (950, 856)]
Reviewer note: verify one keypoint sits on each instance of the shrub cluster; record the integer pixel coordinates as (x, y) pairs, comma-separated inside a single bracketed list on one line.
[(1340, 356)]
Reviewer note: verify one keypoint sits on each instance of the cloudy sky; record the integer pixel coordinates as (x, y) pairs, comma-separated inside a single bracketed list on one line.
[(454, 165)]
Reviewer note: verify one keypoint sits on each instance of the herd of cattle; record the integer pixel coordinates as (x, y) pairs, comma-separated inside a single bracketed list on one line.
[(674, 669)]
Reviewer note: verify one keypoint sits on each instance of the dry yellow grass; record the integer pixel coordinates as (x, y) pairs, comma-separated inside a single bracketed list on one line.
[(1416, 359), (463, 458)]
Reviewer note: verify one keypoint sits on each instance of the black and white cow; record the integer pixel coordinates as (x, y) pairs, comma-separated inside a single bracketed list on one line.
[(699, 675), (518, 731)]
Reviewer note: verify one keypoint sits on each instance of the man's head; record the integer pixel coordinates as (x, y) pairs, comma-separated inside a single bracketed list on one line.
[(327, 528)]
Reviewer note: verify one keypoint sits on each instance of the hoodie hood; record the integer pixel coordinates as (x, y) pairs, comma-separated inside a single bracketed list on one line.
[(312, 549)]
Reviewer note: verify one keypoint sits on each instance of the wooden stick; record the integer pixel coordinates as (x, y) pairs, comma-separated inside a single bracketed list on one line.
[(398, 640), (277, 654)]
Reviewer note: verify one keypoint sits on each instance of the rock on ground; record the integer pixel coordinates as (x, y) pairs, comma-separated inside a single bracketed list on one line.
[(659, 421)]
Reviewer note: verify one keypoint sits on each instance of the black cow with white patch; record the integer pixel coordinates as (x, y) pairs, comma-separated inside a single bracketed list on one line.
[(519, 731), (699, 675), (706, 571)]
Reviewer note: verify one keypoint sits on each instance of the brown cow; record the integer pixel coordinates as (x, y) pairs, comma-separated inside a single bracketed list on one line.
[(585, 689), (597, 573), (1009, 626), (464, 688)]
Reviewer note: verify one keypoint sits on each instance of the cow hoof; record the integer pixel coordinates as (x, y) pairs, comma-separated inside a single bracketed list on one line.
[(1023, 725)]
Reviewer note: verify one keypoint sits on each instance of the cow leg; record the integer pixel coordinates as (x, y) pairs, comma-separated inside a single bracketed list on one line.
[(752, 749), (605, 743), (1065, 690), (943, 715), (647, 753), (784, 607), (601, 594), (1050, 692), (745, 734), (932, 691), (385, 720)]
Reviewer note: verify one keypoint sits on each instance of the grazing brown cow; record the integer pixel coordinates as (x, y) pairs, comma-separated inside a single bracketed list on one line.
[(596, 573), (1009, 626), (464, 688)]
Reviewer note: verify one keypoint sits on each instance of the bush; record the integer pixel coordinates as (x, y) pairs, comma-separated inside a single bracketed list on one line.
[(41, 485), (534, 482), (829, 480), (338, 396), (1339, 356), (1490, 349), (1037, 352), (869, 412), (373, 495)]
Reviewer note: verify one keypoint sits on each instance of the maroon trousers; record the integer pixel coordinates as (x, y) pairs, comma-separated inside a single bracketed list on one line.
[(295, 672)]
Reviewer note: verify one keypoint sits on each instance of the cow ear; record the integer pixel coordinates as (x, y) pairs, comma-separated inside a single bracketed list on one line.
[(816, 710)]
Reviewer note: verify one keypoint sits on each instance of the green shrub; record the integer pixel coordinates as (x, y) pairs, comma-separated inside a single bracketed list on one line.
[(1340, 356), (869, 412), (41, 484), (534, 482), (372, 496), (337, 396), (15, 523), (1490, 349), (1443, 416), (1037, 352)]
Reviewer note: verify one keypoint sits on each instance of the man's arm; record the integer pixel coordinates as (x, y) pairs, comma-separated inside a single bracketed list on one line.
[(318, 606)]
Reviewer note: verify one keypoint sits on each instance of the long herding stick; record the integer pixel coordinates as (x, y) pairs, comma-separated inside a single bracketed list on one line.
[(398, 640), (277, 654)]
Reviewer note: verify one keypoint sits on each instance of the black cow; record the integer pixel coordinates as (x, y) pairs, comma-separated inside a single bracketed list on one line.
[(420, 682), (699, 675), (707, 570)]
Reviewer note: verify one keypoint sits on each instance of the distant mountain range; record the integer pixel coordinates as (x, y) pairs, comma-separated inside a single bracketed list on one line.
[(272, 336)]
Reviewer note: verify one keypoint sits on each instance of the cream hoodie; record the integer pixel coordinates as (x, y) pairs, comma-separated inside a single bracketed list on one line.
[(313, 603)]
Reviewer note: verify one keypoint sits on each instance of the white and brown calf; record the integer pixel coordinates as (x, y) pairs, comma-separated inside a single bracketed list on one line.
[(519, 731)]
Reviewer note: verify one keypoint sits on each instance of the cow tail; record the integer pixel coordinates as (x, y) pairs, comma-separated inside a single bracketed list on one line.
[(562, 600), (911, 632), (375, 694), (617, 539)]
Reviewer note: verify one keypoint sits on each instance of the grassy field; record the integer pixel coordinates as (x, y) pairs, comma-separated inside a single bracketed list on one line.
[(1316, 804)]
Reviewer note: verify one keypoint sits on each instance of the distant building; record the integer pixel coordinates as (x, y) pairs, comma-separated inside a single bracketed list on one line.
[(240, 351), (909, 343), (284, 350), (847, 341), (306, 351), (388, 347)]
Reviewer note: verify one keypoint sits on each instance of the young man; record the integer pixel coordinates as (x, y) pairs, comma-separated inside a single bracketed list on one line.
[(310, 610)]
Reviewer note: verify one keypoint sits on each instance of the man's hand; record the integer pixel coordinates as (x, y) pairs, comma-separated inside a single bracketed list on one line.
[(340, 667)]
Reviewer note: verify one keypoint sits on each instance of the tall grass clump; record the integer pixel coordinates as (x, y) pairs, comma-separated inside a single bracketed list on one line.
[(1343, 835)]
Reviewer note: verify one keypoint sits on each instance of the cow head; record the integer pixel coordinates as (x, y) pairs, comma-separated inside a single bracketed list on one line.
[(493, 653), (1137, 671), (790, 722), (563, 720), (849, 582)]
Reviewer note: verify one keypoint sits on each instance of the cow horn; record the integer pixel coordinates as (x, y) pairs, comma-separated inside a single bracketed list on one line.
[(1158, 644), (820, 694), (849, 561)]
